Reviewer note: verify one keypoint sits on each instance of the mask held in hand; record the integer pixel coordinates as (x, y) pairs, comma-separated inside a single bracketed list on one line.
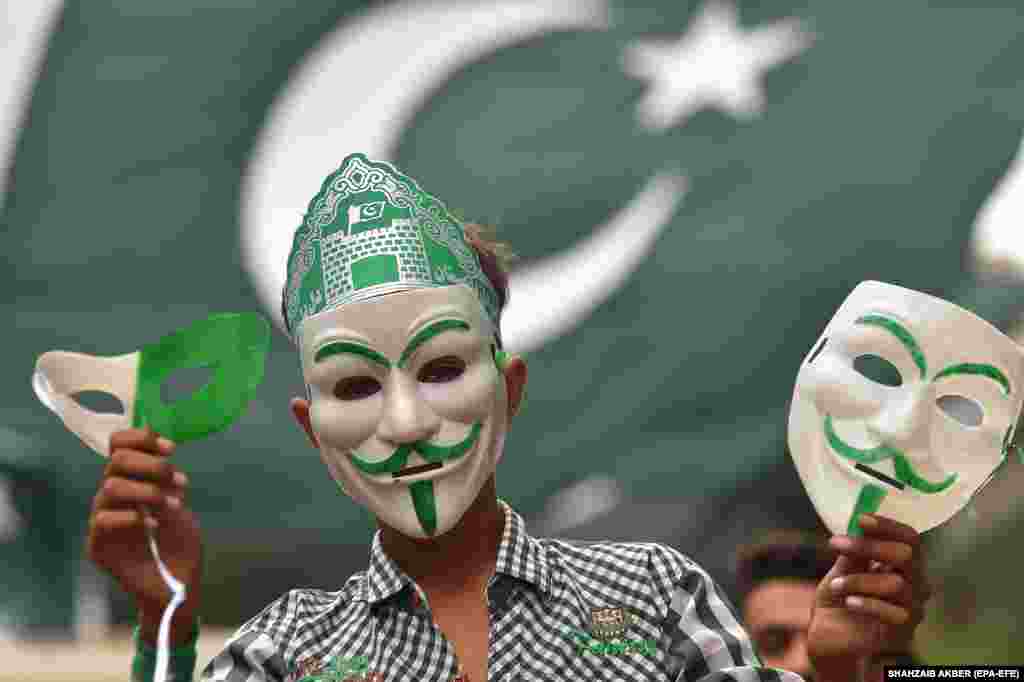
[(232, 346), (906, 405)]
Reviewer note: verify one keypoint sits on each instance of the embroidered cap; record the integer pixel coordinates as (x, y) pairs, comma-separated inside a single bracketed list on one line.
[(372, 230)]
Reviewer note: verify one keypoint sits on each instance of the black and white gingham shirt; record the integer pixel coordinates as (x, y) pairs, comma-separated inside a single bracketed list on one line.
[(540, 602)]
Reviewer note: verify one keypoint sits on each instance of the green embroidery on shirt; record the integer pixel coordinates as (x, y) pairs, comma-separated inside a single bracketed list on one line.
[(619, 646), (343, 670)]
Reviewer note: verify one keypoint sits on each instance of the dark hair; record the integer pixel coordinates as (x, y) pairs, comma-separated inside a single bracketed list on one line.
[(494, 256), (790, 555)]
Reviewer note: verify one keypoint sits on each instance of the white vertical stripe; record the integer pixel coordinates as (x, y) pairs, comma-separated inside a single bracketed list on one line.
[(24, 36)]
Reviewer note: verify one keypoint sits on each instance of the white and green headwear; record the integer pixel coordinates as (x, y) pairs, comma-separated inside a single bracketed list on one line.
[(372, 230)]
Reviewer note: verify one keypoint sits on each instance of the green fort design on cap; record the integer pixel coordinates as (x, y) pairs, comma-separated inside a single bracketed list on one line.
[(369, 231)]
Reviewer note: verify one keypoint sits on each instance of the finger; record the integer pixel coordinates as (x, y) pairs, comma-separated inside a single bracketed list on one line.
[(917, 583), (847, 565), (895, 554), (842, 566), (143, 466), (879, 527), (888, 613), (123, 493), (107, 520), (892, 587), (883, 528), (145, 440)]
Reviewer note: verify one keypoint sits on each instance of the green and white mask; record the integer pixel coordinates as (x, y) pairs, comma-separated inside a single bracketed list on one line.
[(906, 406), (232, 346), (396, 324), (407, 403)]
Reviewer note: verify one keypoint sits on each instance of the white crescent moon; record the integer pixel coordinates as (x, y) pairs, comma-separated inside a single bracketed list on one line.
[(998, 243), (24, 36), (359, 90)]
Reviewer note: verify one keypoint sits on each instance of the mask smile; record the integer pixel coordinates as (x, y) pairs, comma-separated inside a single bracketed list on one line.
[(904, 471), (435, 455)]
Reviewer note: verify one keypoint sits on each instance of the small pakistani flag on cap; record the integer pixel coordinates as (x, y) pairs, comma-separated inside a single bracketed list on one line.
[(370, 231)]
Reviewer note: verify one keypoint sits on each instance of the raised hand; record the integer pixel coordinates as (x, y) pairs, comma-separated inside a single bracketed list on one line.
[(871, 601), (141, 487)]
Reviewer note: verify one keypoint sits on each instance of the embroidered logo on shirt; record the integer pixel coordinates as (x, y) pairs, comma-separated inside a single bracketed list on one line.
[(609, 622), (338, 670), (306, 668), (607, 625)]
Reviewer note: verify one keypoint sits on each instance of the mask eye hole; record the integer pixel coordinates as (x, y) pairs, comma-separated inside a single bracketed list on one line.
[(356, 388), (878, 369), (183, 383), (963, 410), (99, 401), (442, 370)]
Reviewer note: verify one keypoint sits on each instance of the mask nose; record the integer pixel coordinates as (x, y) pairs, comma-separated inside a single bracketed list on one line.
[(836, 390), (406, 417), (903, 419)]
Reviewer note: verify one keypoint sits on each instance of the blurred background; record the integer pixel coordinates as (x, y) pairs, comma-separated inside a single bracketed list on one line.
[(692, 187)]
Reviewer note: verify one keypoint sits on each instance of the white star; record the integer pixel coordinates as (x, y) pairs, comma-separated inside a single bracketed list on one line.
[(714, 64)]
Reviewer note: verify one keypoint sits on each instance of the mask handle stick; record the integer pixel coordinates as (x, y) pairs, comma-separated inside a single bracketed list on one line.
[(177, 588), (178, 593)]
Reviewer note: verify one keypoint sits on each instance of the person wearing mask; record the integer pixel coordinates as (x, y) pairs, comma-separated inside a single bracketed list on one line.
[(394, 307)]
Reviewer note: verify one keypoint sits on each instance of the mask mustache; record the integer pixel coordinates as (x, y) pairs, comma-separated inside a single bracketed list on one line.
[(434, 454), (904, 471)]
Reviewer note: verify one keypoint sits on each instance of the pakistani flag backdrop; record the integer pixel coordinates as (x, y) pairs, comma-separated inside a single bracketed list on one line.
[(693, 187)]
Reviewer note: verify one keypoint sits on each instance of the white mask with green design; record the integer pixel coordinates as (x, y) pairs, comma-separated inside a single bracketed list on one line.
[(407, 403), (906, 405), (396, 325)]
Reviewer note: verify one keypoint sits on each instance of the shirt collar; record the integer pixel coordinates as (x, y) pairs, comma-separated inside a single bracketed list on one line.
[(384, 578), (520, 556)]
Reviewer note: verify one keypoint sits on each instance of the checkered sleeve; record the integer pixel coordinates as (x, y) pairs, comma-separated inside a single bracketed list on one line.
[(706, 642), (255, 652)]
